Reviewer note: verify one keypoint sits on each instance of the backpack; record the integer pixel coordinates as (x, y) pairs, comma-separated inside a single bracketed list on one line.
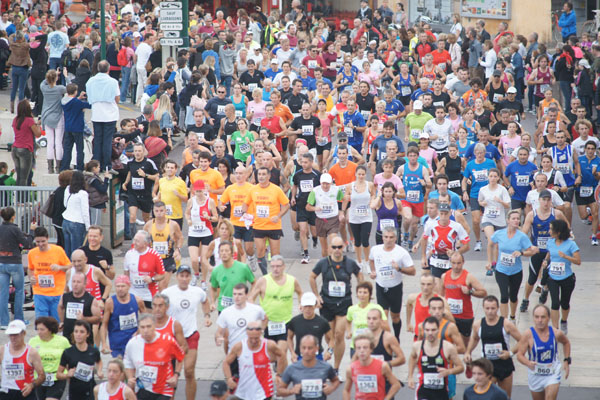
[(68, 61), (122, 57)]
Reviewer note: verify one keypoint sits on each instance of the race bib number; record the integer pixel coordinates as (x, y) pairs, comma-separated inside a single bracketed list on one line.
[(252, 86), (245, 147), (322, 141), (378, 357), (454, 184), (307, 130), (239, 113), (481, 176), (456, 306), (385, 223), (312, 388), (564, 168), (507, 259), (137, 183), (257, 121), (439, 263), (73, 309), (306, 186), (337, 289), (365, 114), (504, 132), (360, 211), (386, 273), (438, 104), (543, 369), (128, 321), (169, 210), (366, 383), (221, 110), (148, 374), (349, 131), (138, 282), (15, 371), (312, 64), (413, 195), (492, 351), (542, 243), (198, 226), (415, 133), (557, 268), (84, 372), (522, 180), (238, 211), (586, 191), (226, 301), (497, 98), (492, 212), (276, 328), (162, 248), (405, 91), (45, 281), (262, 211), (433, 381), (49, 381), (329, 208)]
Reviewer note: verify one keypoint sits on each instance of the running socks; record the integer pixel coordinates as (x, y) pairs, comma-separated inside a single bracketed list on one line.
[(397, 328), (262, 261)]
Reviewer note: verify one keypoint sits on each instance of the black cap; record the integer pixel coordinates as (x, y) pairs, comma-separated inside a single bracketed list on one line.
[(342, 135), (545, 193), (218, 388), (184, 268), (444, 207), (497, 72)]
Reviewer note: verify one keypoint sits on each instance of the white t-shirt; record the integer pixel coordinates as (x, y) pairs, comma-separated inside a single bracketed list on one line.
[(579, 144), (184, 306), (104, 111), (236, 319), (143, 54), (494, 212), (533, 199), (283, 55), (388, 276), (442, 131), (277, 81)]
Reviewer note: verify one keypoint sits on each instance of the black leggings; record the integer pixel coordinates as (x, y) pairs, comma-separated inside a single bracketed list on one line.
[(561, 291), (535, 264), (509, 286), (361, 233)]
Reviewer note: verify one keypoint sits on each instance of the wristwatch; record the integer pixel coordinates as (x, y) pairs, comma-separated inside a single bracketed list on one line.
[(568, 360)]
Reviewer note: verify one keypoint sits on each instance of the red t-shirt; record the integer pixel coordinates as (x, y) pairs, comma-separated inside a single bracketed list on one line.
[(441, 58), (24, 136)]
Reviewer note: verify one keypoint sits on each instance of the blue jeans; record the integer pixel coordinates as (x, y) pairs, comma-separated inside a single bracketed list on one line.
[(74, 235), (54, 63), (69, 139), (565, 88), (125, 80), (226, 81), (19, 81), (46, 306), (103, 137), (14, 272)]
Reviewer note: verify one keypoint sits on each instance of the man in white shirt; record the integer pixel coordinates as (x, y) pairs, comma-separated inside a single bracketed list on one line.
[(142, 55), (184, 300), (284, 52)]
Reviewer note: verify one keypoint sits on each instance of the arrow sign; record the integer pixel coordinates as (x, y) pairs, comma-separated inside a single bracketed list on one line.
[(172, 34), (171, 41), (171, 27), (171, 5)]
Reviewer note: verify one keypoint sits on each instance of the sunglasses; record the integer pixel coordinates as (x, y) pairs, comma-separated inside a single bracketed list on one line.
[(337, 247), (221, 92), (254, 329)]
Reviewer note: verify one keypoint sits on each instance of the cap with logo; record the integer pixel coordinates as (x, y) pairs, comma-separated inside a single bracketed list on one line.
[(218, 388), (15, 327)]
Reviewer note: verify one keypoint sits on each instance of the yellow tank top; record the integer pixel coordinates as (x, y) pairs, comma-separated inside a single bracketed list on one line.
[(161, 240), (279, 300)]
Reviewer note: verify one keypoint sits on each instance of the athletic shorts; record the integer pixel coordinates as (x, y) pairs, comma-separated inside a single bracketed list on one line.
[(302, 215), (321, 149), (148, 305), (192, 340), (584, 201), (465, 326), (438, 272), (568, 195), (331, 310), (474, 204), (13, 394), (496, 228), (143, 394), (327, 226), (417, 208), (55, 391), (197, 241), (273, 234), (242, 233), (179, 222), (276, 338), (389, 298), (170, 264), (502, 369), (517, 204), (141, 202), (537, 383)]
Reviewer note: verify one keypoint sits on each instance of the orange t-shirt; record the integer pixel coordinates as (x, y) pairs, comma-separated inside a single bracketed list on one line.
[(236, 195), (283, 112), (212, 178), (187, 156), (49, 283), (343, 176), (265, 203)]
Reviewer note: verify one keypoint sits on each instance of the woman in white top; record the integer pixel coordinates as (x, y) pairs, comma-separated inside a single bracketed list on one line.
[(76, 217), (489, 60), (457, 28), (495, 200)]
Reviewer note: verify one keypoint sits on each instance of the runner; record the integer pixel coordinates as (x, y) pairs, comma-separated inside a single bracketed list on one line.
[(387, 347), (253, 355), (144, 267), (184, 300), (312, 378), (518, 177), (344, 173), (415, 122), (369, 375), (172, 191), (78, 305), (149, 361), (387, 262), (419, 303), (386, 204), (165, 324), (94, 277), (587, 182), (323, 201), (304, 181), (276, 293), (98, 255), (114, 388), (495, 332), (119, 321), (540, 342), (357, 314), (308, 323)]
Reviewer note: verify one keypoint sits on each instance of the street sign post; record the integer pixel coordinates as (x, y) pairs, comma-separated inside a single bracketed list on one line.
[(171, 27), (171, 41)]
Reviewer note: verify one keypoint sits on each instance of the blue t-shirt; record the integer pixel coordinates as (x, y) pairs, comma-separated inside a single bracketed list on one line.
[(380, 143), (455, 201), (491, 152), (418, 93), (560, 268), (587, 178), (394, 107), (313, 84), (462, 151), (308, 82), (357, 121), (521, 177), (271, 74), (478, 174), (506, 263)]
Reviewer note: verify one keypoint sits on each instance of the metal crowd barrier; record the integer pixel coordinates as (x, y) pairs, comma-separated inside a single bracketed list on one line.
[(27, 201)]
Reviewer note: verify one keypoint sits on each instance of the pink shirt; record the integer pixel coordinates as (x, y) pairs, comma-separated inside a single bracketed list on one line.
[(259, 111), (508, 146), (326, 125), (379, 180), (428, 154)]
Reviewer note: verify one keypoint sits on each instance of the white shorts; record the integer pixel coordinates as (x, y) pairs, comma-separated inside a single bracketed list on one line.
[(537, 383)]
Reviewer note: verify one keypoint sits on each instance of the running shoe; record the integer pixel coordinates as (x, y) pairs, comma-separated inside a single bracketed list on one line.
[(524, 305), (409, 246), (513, 320), (594, 241), (586, 221), (564, 327), (194, 280), (477, 246), (252, 263), (305, 259), (315, 242), (544, 296), (203, 286), (350, 247), (297, 235)]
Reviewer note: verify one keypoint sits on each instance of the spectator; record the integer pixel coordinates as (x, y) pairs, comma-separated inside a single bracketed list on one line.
[(39, 66), (568, 22), (516, 61), (103, 94), (64, 178), (58, 41), (564, 68), (19, 61), (73, 108), (129, 55), (76, 217), (142, 56), (83, 73), (53, 119), (25, 130), (97, 186)]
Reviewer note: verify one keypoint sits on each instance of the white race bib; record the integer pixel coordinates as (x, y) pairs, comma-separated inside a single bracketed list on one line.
[(454, 184), (162, 248), (557, 268), (497, 98), (366, 114), (481, 175), (433, 381), (385, 273), (522, 180), (507, 259), (384, 223), (456, 306), (245, 147), (84, 372), (492, 212), (15, 371), (413, 195), (226, 301), (322, 141), (138, 282), (262, 211), (543, 369), (252, 86), (307, 130), (337, 289), (366, 383), (312, 64), (73, 309), (137, 183), (492, 351), (221, 110), (128, 321), (586, 191), (148, 374), (49, 381), (405, 90), (239, 113), (312, 388), (439, 263), (169, 210), (349, 131), (306, 185), (415, 133), (276, 328), (361, 211), (45, 281), (542, 243), (238, 211)]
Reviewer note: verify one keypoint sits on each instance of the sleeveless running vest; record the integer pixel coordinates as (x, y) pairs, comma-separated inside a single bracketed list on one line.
[(431, 385), (161, 240), (17, 371), (168, 328), (256, 380), (460, 303), (118, 394), (387, 216), (368, 380), (123, 322), (278, 300), (540, 230)]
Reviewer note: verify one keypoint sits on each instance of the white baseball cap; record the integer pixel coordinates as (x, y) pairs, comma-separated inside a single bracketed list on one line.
[(326, 178), (418, 105), (15, 327), (308, 299)]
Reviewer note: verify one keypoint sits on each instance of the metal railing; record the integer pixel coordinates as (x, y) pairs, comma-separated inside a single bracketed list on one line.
[(27, 201)]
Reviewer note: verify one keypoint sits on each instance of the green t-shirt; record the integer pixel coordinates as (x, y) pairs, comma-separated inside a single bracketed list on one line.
[(243, 148), (226, 278), (357, 316), (415, 124), (50, 353)]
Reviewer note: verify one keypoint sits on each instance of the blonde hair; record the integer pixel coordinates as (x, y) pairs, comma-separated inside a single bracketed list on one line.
[(164, 105)]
